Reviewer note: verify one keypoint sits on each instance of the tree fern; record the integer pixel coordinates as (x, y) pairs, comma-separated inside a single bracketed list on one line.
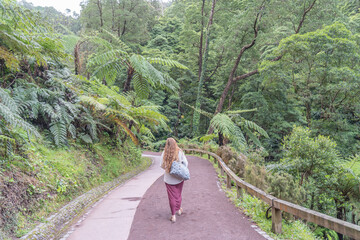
[(147, 132), (228, 128), (166, 62), (253, 126), (141, 86), (208, 137), (95, 105)]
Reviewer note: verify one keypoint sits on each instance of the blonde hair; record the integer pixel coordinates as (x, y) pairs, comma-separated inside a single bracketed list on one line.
[(171, 154)]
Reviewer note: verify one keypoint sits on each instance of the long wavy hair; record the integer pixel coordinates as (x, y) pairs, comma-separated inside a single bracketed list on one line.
[(171, 153)]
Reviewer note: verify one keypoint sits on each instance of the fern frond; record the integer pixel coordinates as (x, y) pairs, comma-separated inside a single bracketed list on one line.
[(147, 132), (15, 120), (58, 131), (252, 137), (11, 61), (93, 103), (207, 137), (86, 138), (116, 55), (140, 86), (4, 138), (122, 126), (236, 112), (166, 62), (153, 76), (228, 128), (204, 113), (117, 40), (104, 91), (8, 101), (120, 114), (72, 130), (150, 114), (253, 126)]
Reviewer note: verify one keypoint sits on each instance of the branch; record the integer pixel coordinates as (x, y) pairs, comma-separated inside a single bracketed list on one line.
[(303, 17), (217, 66), (278, 57), (245, 75)]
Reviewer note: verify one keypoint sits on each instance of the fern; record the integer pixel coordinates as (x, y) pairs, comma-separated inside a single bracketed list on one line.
[(140, 86), (227, 127), (115, 39), (86, 138), (93, 103), (237, 112), (208, 137), (15, 120), (147, 132), (204, 113), (58, 131), (253, 126), (166, 62), (72, 131)]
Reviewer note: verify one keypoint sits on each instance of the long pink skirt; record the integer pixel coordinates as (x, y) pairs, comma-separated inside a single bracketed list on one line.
[(174, 194)]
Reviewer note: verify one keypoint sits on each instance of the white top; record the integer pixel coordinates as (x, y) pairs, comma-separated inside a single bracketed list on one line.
[(168, 178)]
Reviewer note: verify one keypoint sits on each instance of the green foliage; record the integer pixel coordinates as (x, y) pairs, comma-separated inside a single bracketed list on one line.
[(229, 129), (305, 156), (321, 68), (256, 209), (49, 178), (112, 63)]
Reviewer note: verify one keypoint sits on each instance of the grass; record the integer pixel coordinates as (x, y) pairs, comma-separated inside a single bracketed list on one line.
[(50, 178)]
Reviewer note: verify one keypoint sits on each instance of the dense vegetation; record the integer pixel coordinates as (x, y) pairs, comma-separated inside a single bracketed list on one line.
[(275, 80)]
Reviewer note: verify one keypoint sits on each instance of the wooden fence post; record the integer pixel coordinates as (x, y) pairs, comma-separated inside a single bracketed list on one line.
[(228, 181), (214, 159), (208, 156), (239, 192), (276, 219)]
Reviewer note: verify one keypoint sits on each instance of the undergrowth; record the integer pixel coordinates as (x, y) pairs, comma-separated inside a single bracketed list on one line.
[(34, 186)]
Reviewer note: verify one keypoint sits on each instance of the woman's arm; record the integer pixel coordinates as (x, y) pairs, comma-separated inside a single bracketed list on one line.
[(161, 159), (183, 158)]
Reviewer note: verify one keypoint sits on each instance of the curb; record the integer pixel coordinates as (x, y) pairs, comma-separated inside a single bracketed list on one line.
[(64, 218)]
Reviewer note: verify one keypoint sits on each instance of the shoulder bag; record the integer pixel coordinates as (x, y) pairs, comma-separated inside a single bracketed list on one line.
[(179, 170)]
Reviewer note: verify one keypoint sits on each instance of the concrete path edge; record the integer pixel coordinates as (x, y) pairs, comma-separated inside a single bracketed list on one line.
[(59, 222)]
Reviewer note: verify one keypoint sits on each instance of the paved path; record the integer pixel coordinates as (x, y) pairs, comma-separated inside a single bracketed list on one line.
[(111, 218), (208, 214)]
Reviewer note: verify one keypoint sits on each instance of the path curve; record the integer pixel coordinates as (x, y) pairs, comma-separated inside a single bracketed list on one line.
[(208, 213), (112, 216), (139, 209)]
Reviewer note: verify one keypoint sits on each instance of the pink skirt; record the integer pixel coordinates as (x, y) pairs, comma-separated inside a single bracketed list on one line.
[(174, 195)]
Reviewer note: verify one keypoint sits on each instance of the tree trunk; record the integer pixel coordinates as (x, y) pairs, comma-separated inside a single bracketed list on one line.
[(99, 5), (176, 132), (196, 118), (339, 215), (221, 139), (308, 113), (130, 73), (200, 60), (77, 58)]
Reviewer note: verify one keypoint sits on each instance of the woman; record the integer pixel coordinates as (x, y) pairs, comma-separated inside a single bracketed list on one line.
[(173, 185)]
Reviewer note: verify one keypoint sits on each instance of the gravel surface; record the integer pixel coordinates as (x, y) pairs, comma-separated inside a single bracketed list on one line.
[(208, 213)]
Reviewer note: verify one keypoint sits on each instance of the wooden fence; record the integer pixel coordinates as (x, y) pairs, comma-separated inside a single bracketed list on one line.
[(278, 205)]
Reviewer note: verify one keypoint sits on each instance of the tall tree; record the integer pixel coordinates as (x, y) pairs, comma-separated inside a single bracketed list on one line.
[(202, 66)]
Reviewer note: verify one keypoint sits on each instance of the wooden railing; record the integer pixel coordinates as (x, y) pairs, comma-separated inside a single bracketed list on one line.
[(278, 205)]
